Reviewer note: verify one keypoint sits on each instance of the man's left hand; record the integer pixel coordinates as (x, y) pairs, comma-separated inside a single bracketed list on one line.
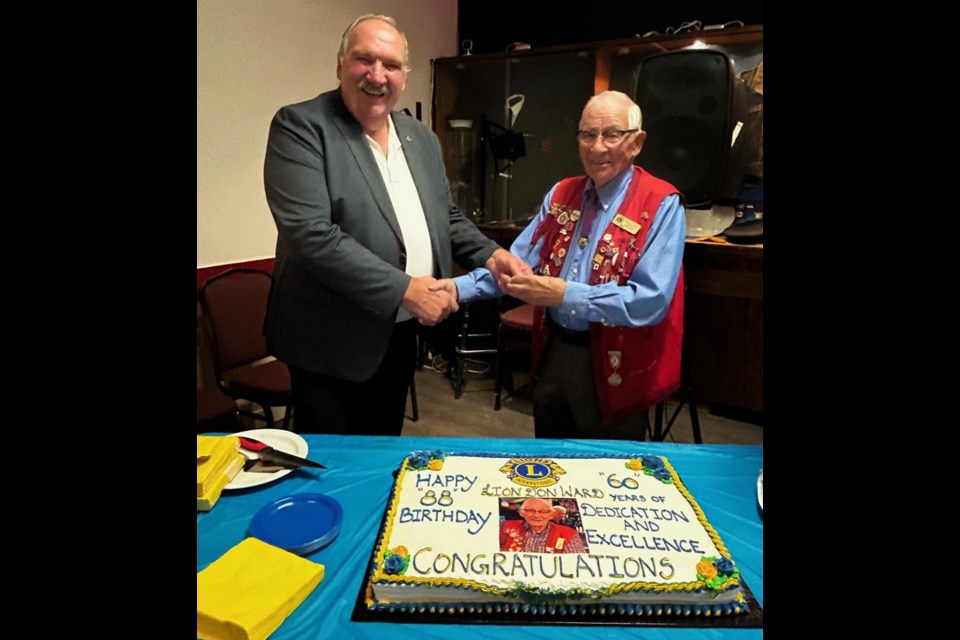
[(503, 263)]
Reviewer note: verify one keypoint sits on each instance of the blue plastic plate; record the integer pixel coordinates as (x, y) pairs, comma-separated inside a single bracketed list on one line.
[(301, 523)]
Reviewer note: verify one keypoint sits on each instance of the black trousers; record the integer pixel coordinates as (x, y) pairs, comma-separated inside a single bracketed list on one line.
[(565, 401), (323, 404)]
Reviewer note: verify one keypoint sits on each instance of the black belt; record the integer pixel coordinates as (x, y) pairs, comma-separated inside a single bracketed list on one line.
[(569, 336)]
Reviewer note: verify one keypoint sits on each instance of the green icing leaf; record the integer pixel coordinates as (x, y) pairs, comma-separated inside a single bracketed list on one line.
[(533, 595)]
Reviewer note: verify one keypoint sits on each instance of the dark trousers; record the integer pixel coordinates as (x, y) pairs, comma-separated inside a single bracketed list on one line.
[(375, 407), (565, 398)]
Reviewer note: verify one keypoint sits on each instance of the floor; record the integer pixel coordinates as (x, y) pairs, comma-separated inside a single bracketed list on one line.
[(472, 415)]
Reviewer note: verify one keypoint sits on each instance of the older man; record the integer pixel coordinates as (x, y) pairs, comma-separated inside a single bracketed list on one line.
[(538, 533), (607, 250), (365, 224)]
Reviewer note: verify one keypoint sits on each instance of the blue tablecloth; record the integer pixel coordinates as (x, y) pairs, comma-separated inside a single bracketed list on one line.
[(722, 478)]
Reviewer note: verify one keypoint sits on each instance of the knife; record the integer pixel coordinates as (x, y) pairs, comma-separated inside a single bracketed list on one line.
[(259, 465), (270, 454)]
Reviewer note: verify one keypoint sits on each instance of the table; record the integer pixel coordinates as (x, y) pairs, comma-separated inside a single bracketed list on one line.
[(722, 478)]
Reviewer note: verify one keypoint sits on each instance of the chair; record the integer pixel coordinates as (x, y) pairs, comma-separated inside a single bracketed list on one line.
[(216, 412), (234, 305), (515, 334), (686, 395), (468, 344)]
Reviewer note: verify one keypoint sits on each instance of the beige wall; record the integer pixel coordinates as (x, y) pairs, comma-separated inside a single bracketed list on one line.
[(253, 57)]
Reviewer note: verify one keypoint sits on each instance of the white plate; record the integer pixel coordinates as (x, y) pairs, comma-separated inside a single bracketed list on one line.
[(280, 440), (760, 489)]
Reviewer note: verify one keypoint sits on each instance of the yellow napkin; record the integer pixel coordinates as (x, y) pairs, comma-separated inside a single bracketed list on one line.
[(207, 500), (220, 452), (246, 593)]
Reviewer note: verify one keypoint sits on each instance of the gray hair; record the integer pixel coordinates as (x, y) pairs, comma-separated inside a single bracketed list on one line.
[(372, 16), (634, 119)]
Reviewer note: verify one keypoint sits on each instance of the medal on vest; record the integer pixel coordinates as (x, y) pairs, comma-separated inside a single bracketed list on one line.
[(614, 378)]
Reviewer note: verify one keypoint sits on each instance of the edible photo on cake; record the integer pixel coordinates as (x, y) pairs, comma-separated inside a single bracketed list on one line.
[(541, 525)]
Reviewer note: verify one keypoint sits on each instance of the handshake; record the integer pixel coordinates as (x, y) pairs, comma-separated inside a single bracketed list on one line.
[(431, 300)]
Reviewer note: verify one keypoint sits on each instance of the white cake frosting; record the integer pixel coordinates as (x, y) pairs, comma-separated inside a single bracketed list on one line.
[(649, 548)]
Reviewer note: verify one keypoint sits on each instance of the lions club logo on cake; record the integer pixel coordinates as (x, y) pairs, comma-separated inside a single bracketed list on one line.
[(533, 472)]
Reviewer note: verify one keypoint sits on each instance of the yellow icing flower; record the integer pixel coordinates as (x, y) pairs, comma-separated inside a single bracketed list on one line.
[(400, 551), (635, 465), (707, 570), (435, 465)]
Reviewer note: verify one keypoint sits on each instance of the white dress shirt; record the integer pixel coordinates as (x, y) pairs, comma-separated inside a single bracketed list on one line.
[(406, 203)]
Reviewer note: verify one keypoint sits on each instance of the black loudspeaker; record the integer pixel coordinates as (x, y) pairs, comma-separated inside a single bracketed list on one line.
[(689, 99)]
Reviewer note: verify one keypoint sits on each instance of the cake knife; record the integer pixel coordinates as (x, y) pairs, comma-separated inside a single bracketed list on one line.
[(271, 454)]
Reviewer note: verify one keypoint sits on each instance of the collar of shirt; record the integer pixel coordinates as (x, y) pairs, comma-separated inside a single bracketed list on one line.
[(611, 193), (536, 541), (393, 140)]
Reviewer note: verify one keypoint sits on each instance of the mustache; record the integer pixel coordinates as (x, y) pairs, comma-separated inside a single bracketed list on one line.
[(378, 89)]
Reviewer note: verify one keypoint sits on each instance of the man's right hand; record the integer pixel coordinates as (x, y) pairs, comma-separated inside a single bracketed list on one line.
[(428, 301), (448, 285)]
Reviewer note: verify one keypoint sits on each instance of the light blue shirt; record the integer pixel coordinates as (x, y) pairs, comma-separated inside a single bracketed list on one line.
[(645, 298)]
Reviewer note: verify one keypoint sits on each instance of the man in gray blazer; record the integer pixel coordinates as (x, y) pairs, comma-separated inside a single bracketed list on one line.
[(365, 225)]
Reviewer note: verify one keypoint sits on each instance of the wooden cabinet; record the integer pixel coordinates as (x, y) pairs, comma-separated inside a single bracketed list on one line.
[(547, 92), (723, 317)]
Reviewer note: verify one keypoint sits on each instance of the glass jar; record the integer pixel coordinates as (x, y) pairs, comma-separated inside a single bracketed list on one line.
[(463, 166)]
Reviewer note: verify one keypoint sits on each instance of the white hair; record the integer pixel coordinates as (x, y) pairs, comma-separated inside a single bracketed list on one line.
[(634, 119)]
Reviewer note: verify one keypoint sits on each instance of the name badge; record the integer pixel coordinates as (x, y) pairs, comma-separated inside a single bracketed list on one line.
[(626, 224)]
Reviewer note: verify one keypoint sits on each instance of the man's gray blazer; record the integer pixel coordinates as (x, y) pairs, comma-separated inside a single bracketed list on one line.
[(339, 273)]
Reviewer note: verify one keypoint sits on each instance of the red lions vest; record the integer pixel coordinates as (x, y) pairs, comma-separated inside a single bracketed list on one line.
[(513, 533), (634, 367)]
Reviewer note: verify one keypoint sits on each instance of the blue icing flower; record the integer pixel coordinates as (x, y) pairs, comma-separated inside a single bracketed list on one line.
[(724, 566), (661, 474), (652, 462), (437, 455), (394, 564), (419, 459)]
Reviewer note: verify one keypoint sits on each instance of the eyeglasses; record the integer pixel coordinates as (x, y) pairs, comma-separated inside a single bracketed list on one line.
[(610, 136), (534, 511)]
